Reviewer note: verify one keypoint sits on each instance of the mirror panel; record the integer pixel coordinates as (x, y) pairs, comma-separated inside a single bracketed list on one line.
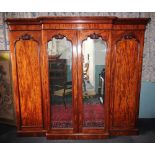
[(93, 55), (60, 81)]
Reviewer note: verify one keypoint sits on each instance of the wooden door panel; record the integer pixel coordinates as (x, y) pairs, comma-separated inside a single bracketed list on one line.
[(125, 84), (28, 72)]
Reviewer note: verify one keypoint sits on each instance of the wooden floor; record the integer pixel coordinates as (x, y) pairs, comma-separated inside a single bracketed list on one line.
[(146, 126)]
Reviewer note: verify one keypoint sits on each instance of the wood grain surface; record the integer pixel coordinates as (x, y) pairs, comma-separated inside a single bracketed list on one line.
[(125, 42), (125, 83), (28, 72)]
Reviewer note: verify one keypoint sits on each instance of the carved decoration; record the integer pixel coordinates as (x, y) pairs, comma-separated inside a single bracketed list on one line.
[(58, 36), (129, 36), (26, 37), (94, 36)]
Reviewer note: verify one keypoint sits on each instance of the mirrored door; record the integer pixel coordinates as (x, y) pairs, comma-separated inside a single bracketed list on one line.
[(93, 55), (93, 50), (62, 83), (76, 66)]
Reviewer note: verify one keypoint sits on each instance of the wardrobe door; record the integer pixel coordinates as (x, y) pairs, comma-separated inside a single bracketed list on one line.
[(93, 71), (126, 73), (25, 54), (60, 49)]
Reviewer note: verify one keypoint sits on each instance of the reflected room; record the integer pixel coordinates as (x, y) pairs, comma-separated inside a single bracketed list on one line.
[(93, 55), (60, 80)]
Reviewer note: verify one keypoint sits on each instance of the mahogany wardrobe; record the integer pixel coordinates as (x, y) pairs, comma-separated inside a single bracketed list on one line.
[(76, 77)]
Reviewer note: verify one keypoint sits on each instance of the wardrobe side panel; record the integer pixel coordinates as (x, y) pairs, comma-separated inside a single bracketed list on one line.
[(126, 59), (28, 70), (125, 83), (25, 49)]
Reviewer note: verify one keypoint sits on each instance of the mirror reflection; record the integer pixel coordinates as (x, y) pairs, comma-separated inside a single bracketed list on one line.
[(60, 80), (94, 52)]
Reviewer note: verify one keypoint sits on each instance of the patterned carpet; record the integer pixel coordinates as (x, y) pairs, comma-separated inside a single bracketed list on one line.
[(93, 116)]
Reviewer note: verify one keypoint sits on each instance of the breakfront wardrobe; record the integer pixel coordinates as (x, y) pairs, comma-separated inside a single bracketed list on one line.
[(76, 77)]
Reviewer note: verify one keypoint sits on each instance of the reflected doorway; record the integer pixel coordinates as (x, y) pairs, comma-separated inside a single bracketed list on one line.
[(93, 58)]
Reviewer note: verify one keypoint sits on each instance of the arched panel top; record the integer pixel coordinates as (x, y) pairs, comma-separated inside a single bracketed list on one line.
[(60, 36), (26, 37), (127, 36), (59, 46), (96, 37), (97, 34), (127, 41)]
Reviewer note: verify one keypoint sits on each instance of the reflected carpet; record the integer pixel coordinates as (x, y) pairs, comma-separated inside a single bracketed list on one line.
[(93, 116)]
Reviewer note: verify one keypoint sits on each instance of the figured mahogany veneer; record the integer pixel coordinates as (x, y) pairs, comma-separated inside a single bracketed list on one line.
[(28, 45)]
